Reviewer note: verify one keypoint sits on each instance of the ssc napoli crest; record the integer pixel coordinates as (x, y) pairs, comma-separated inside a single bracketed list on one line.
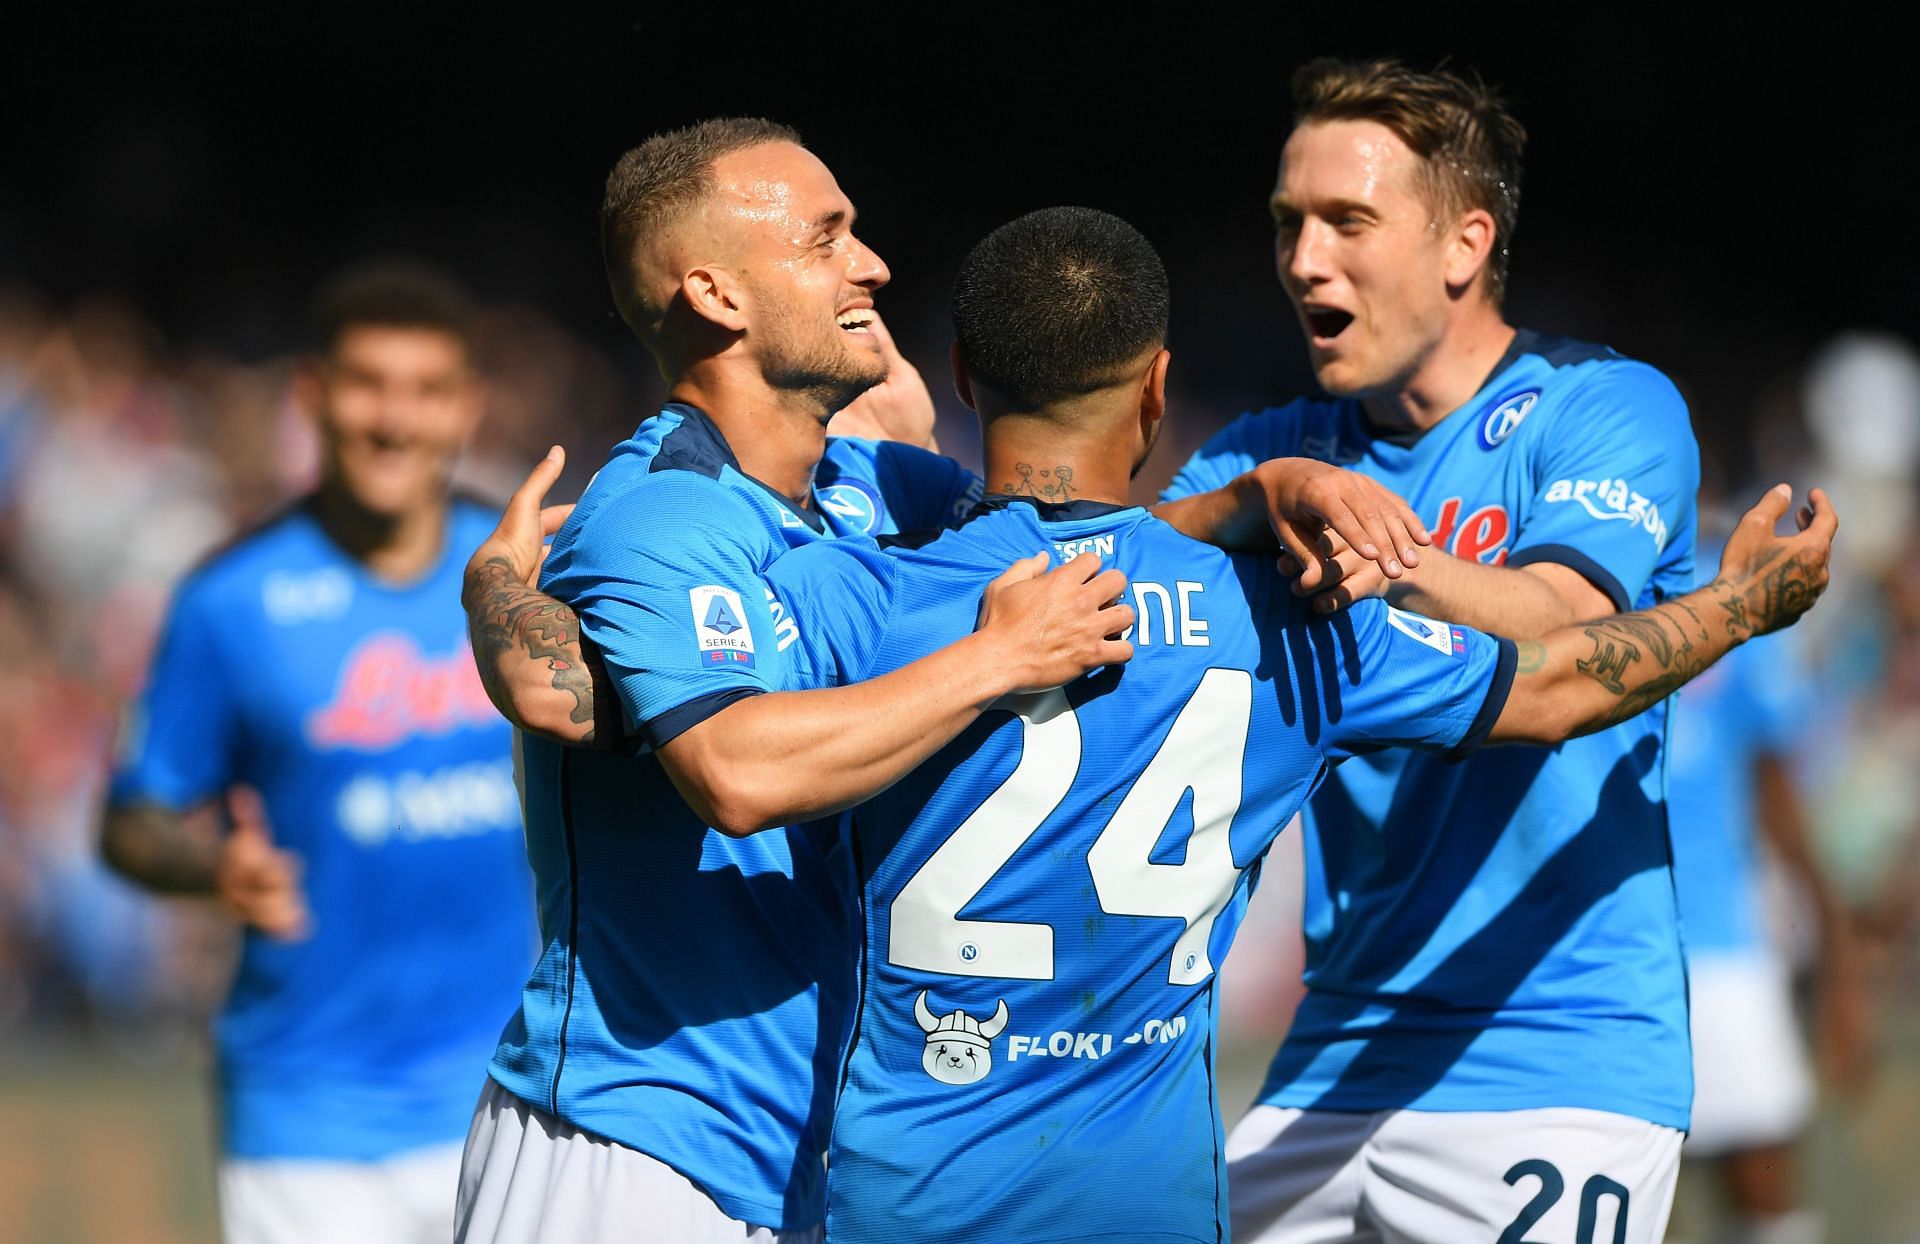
[(1504, 418), (855, 507)]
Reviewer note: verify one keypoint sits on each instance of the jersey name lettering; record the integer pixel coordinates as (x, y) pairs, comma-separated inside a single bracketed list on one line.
[(1167, 617)]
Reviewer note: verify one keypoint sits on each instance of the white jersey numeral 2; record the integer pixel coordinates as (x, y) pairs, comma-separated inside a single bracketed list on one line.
[(1204, 752)]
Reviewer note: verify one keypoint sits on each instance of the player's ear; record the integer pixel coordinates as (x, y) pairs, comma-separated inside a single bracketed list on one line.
[(1153, 393), (716, 296), (962, 383), (1470, 247)]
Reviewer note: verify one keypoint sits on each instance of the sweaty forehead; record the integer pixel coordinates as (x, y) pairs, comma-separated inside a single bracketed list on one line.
[(1357, 161), (780, 185)]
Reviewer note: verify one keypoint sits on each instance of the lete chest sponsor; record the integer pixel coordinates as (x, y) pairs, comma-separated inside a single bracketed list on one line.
[(390, 690)]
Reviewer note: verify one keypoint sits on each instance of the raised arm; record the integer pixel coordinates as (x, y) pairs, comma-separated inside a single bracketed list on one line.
[(536, 668), (1579, 679)]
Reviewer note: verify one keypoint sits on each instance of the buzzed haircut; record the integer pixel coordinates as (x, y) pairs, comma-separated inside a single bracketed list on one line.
[(392, 292), (1057, 303), (1468, 143), (654, 184)]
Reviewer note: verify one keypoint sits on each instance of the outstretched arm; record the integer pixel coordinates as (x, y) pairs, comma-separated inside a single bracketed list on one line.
[(1583, 678)]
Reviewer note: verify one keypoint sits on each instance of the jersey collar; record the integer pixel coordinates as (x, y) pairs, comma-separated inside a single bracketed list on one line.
[(1051, 511), (713, 444), (1407, 438)]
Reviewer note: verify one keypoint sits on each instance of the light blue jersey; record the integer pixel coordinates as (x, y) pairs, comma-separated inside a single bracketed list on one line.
[(1751, 704), (1048, 898), (692, 993), (1501, 934), (353, 706)]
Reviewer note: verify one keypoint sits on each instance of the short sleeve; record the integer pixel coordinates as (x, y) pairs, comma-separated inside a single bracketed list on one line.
[(840, 596), (1616, 482), (666, 580), (177, 747), (1379, 677), (1234, 450)]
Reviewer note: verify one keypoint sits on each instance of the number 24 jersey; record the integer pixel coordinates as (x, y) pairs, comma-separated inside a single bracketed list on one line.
[(1048, 898)]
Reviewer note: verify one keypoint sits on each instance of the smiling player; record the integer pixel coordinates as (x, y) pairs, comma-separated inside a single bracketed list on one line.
[(1494, 1033), (375, 858)]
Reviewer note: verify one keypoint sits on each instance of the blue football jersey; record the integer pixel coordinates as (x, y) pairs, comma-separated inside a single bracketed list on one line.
[(692, 992), (1751, 704), (353, 706), (1047, 900), (1501, 934)]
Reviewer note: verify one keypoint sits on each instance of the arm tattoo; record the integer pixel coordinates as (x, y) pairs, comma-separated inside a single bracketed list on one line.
[(1642, 658), (163, 850), (504, 617), (1532, 656)]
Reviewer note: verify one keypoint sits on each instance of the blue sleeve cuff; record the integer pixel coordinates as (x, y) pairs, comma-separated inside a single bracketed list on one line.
[(677, 721), (1574, 559), (1490, 708)]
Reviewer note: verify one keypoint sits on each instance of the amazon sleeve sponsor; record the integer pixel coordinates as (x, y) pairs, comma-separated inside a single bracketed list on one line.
[(1614, 483)]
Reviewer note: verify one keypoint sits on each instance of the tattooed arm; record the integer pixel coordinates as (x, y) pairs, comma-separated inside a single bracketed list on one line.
[(1586, 677), (538, 670), (184, 853), (163, 850)]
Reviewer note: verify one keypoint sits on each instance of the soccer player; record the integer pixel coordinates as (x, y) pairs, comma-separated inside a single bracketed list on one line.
[(1494, 1035), (317, 674), (1046, 899), (675, 1050), (1733, 734)]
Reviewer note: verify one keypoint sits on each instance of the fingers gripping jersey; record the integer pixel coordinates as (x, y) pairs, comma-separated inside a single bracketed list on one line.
[(692, 990), (352, 705), (1047, 900), (1501, 934)]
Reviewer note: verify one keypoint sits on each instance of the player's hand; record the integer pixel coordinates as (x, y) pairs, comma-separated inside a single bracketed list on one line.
[(1310, 503), (521, 538), (1336, 578), (257, 881), (1777, 578), (1052, 626), (899, 408)]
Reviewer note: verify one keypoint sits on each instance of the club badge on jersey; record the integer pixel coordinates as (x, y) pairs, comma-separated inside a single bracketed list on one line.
[(720, 627)]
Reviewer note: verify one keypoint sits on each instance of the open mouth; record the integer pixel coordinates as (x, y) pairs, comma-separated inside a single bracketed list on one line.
[(1326, 323), (856, 321)]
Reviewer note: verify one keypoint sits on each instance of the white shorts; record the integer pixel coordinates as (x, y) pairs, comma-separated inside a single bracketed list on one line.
[(406, 1199), (528, 1176), (1751, 1085), (1558, 1176)]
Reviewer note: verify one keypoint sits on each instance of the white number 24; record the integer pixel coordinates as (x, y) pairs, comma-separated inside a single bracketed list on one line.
[(1204, 752)]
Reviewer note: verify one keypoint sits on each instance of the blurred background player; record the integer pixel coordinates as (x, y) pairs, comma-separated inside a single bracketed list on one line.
[(314, 677), (1493, 1038), (1731, 793)]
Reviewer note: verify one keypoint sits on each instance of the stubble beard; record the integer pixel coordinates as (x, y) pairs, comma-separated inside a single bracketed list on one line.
[(825, 371)]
